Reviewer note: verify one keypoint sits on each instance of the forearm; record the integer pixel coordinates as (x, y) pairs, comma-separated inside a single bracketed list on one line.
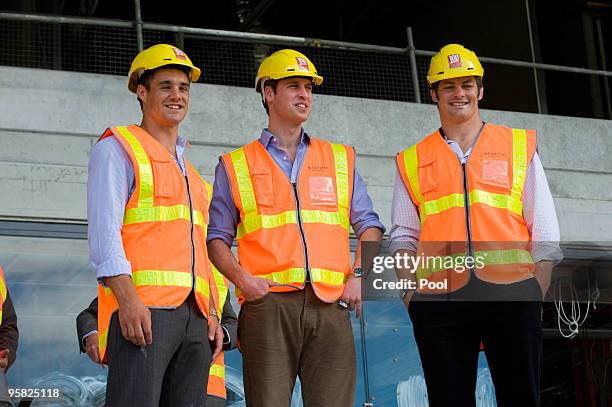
[(225, 261), (123, 289), (373, 235), (403, 271), (543, 273)]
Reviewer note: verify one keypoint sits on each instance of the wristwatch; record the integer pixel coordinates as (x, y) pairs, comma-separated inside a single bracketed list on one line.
[(403, 293), (358, 272)]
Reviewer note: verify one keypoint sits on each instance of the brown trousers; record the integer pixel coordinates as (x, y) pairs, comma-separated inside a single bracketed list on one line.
[(284, 335)]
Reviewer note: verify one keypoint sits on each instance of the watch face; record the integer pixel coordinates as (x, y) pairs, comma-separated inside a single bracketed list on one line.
[(358, 272)]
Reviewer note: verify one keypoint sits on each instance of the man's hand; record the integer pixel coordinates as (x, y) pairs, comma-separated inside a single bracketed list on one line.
[(92, 347), (4, 354), (134, 317), (135, 321), (352, 294), (215, 336), (254, 288)]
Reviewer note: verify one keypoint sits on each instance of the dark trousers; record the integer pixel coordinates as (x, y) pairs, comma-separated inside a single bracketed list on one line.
[(172, 371), (448, 336), (284, 335)]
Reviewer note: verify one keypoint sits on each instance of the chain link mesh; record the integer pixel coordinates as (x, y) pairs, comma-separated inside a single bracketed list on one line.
[(81, 48)]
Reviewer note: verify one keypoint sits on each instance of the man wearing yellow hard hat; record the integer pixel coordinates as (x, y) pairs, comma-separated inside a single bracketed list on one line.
[(475, 195), (147, 209), (290, 199)]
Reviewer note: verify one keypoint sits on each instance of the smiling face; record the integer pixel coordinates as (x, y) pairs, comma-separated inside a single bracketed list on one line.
[(457, 99), (291, 102), (166, 100)]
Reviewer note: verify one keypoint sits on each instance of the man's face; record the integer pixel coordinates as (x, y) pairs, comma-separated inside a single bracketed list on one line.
[(167, 99), (457, 98), (292, 100)]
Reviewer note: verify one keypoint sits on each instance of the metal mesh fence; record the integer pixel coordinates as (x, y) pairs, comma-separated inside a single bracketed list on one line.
[(82, 48)]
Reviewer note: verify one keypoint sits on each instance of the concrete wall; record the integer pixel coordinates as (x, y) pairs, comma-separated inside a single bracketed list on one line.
[(50, 119)]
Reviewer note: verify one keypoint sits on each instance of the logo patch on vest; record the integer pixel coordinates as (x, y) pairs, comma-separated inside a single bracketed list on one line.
[(454, 61), (322, 191)]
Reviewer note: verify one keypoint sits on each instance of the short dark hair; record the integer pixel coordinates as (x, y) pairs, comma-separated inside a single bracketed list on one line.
[(145, 78), (273, 83)]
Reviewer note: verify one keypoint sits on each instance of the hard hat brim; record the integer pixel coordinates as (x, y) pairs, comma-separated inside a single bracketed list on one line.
[(316, 79), (194, 73)]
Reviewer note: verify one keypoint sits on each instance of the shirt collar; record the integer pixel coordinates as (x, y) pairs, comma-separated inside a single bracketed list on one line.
[(266, 138)]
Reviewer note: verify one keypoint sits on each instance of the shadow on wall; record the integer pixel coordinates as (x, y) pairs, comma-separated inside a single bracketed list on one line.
[(89, 391)]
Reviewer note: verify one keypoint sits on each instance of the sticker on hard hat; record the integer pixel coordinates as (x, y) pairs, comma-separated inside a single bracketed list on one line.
[(454, 61), (179, 54), (302, 63)]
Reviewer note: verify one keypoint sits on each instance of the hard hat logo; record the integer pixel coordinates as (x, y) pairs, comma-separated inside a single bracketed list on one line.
[(454, 61), (179, 54), (302, 63)]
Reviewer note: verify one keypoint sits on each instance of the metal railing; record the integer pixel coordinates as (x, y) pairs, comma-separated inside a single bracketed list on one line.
[(231, 58)]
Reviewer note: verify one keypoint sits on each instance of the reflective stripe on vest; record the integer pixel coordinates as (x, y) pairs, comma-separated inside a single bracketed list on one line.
[(2, 292), (512, 202)]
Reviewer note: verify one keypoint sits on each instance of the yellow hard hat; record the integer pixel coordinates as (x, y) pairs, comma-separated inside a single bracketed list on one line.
[(156, 56), (453, 61), (284, 64)]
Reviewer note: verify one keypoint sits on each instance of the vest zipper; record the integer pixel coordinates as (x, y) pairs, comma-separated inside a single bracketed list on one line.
[(301, 229), (193, 275), (466, 202)]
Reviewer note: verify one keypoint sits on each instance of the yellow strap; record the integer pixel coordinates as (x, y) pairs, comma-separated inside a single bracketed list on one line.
[(217, 370), (221, 287), (146, 188), (255, 222), (342, 176), (2, 291), (487, 257), (519, 163), (292, 275), (167, 278), (162, 214), (329, 277), (243, 177), (476, 196), (411, 165)]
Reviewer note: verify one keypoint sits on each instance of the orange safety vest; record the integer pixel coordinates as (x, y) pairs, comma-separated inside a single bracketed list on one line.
[(478, 204), (216, 374), (163, 232), (2, 292), (287, 231)]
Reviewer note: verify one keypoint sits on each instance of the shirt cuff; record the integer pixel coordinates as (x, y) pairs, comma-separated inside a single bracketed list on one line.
[(85, 337), (396, 245), (226, 336), (546, 251), (114, 266), (212, 235)]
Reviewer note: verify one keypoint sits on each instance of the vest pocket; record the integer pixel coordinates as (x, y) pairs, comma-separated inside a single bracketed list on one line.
[(428, 180), (162, 178), (264, 187), (495, 172), (321, 190)]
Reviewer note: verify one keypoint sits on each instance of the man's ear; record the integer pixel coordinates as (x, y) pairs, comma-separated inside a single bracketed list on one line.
[(434, 96), (141, 92), (481, 93), (268, 93)]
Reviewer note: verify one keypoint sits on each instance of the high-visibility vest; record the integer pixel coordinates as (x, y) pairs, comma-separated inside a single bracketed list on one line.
[(163, 232), (286, 231), (216, 375), (488, 217), (2, 292)]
